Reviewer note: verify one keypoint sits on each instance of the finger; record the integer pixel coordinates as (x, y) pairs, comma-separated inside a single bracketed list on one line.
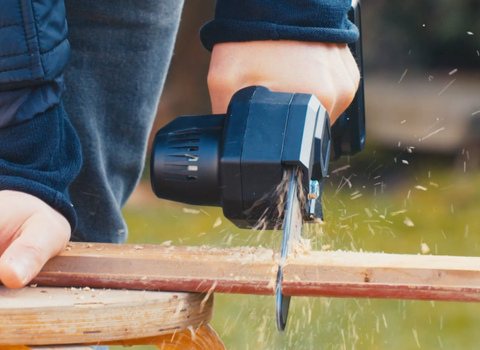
[(39, 241), (15, 208)]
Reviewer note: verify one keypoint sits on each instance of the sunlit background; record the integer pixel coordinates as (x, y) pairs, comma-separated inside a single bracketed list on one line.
[(417, 182)]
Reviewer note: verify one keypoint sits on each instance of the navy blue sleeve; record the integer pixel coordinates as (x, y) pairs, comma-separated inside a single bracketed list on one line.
[(34, 52), (41, 157), (40, 153), (299, 20)]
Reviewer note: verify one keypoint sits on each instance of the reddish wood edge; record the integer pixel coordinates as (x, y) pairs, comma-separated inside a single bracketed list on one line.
[(253, 271), (382, 291)]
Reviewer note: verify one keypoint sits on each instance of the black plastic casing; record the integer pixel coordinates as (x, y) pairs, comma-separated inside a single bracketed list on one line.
[(234, 160), (184, 160)]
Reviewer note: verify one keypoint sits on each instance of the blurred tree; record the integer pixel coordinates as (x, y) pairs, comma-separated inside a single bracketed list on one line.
[(422, 34)]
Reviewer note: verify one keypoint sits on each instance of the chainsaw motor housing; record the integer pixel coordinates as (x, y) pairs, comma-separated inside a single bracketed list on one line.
[(235, 160)]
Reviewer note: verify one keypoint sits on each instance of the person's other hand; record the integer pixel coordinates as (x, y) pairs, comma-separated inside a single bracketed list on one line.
[(31, 233), (328, 71)]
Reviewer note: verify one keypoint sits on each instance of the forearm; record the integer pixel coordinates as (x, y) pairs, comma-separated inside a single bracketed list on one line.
[(257, 20)]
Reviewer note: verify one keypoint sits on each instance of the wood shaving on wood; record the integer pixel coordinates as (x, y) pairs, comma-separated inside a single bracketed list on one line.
[(192, 331), (207, 296), (303, 247), (272, 284), (179, 308)]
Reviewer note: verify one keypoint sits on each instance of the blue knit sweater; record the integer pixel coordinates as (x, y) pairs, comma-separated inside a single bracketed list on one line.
[(40, 152)]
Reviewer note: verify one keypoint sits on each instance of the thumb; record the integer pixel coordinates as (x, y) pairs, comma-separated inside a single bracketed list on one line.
[(39, 241)]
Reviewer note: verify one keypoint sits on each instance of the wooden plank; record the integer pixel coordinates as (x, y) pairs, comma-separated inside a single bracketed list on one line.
[(203, 338), (253, 271), (168, 268), (378, 275), (46, 316)]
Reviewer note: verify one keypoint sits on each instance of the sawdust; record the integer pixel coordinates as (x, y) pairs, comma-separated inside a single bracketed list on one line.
[(273, 216), (272, 284), (207, 296), (303, 247), (425, 248), (217, 223), (191, 211)]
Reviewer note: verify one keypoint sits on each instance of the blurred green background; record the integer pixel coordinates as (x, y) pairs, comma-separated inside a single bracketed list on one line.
[(414, 188)]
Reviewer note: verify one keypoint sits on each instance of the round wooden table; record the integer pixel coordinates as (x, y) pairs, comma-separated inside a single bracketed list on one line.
[(35, 316)]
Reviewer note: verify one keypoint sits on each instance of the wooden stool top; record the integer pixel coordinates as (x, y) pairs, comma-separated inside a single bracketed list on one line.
[(50, 316)]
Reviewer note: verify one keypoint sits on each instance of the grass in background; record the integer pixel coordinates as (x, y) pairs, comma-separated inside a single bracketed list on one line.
[(439, 208)]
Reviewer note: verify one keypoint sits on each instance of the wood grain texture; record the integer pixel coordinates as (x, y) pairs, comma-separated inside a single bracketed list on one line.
[(253, 271), (168, 268), (378, 275), (203, 338), (47, 316)]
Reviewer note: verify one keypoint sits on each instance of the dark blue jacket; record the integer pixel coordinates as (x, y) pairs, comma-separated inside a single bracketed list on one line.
[(39, 149)]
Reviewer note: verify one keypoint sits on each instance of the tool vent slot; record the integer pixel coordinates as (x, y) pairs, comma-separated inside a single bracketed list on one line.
[(183, 152)]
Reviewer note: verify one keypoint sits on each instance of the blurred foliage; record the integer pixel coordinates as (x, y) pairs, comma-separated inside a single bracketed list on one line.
[(426, 33)]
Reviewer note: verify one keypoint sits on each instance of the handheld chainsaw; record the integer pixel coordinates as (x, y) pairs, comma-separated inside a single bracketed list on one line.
[(238, 159)]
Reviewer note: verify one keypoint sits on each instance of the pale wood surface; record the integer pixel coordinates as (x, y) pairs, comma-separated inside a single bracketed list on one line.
[(46, 316), (193, 269), (378, 275), (253, 271)]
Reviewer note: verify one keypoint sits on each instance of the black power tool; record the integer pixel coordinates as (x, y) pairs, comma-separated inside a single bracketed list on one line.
[(235, 160), (238, 159)]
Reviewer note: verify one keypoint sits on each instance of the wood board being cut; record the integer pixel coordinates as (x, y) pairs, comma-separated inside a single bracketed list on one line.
[(254, 271)]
